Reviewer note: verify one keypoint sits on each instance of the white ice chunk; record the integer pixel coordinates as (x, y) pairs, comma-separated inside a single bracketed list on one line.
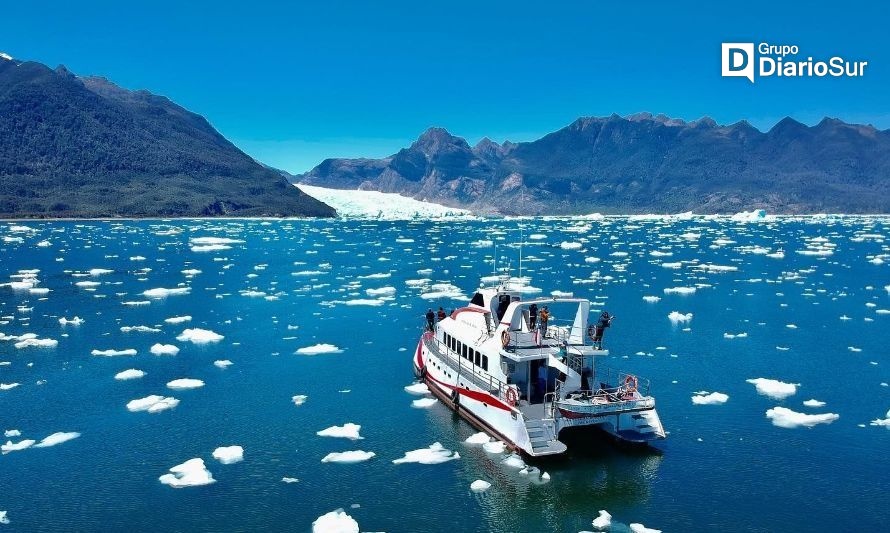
[(17, 446), (778, 390), (417, 388), (152, 404), (786, 418), (199, 336), (191, 473), (57, 438), (178, 319), (335, 522), (185, 383), (424, 403), (113, 353), (131, 373), (640, 528), (353, 456), (814, 403), (480, 485), (677, 317), (319, 349), (514, 461), (603, 521), (222, 363), (494, 447), (346, 431), (478, 438), (299, 399), (229, 454), (434, 454), (714, 398), (164, 349)]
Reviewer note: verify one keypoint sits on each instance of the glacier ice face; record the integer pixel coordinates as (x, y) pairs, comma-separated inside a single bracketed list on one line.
[(382, 206)]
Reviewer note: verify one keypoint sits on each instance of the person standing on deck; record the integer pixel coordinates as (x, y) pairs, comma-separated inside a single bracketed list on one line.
[(545, 317), (532, 317), (542, 379), (430, 319), (441, 314)]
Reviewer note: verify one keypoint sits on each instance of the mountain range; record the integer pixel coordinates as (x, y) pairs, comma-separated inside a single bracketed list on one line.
[(641, 163), (75, 146)]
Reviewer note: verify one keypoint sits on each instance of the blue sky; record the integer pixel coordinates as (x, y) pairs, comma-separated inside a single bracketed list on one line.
[(294, 82)]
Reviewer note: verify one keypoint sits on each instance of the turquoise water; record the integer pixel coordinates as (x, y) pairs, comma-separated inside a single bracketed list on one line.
[(724, 467)]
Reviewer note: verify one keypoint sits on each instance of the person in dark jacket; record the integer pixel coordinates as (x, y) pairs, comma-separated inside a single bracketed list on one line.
[(533, 316), (441, 314), (604, 322), (430, 319)]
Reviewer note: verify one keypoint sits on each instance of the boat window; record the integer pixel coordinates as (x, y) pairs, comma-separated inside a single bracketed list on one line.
[(478, 300), (485, 363), (463, 351), (477, 358), (503, 304)]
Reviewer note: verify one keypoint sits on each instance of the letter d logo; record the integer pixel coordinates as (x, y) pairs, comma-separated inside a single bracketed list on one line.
[(738, 60)]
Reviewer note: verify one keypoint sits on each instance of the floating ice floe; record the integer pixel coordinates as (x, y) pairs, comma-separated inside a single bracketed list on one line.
[(131, 373), (346, 431), (478, 438), (222, 363), (286, 479), (335, 522), (570, 245), (12, 433), (350, 457), (417, 388), (494, 447), (192, 473), (178, 319), (514, 461), (705, 398), (76, 321), (786, 418), (229, 454), (382, 291), (57, 438), (318, 349), (139, 329), (199, 336), (16, 446), (735, 335), (424, 403), (299, 399), (87, 284), (603, 521), (3, 518), (30, 340), (882, 422), (651, 299), (680, 290), (677, 317), (813, 403), (640, 528), (777, 390), (113, 353), (8, 386), (757, 215), (480, 485), (163, 293), (164, 349), (152, 404), (434, 454), (185, 383)]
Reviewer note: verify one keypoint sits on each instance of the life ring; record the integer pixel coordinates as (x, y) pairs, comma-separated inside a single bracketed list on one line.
[(630, 384), (591, 332), (512, 396), (505, 338)]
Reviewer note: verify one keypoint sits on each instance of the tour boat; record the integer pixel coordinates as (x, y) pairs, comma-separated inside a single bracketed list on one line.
[(523, 380)]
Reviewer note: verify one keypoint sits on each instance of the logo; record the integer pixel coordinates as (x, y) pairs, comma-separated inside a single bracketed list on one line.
[(738, 60), (781, 60)]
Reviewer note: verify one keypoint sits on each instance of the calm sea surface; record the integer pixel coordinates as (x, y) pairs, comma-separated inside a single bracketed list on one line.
[(819, 319)]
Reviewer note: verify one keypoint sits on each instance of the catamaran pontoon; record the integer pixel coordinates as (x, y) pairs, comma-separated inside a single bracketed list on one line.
[(523, 380)]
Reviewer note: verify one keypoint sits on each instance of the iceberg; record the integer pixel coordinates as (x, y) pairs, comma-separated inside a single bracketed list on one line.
[(185, 383), (346, 431), (199, 336), (777, 390), (714, 398), (113, 353), (480, 485), (17, 446), (318, 349), (229, 454), (786, 418), (434, 454), (354, 456), (152, 404), (192, 473), (164, 349), (335, 522), (424, 403), (603, 521), (131, 373), (382, 206), (57, 438)]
